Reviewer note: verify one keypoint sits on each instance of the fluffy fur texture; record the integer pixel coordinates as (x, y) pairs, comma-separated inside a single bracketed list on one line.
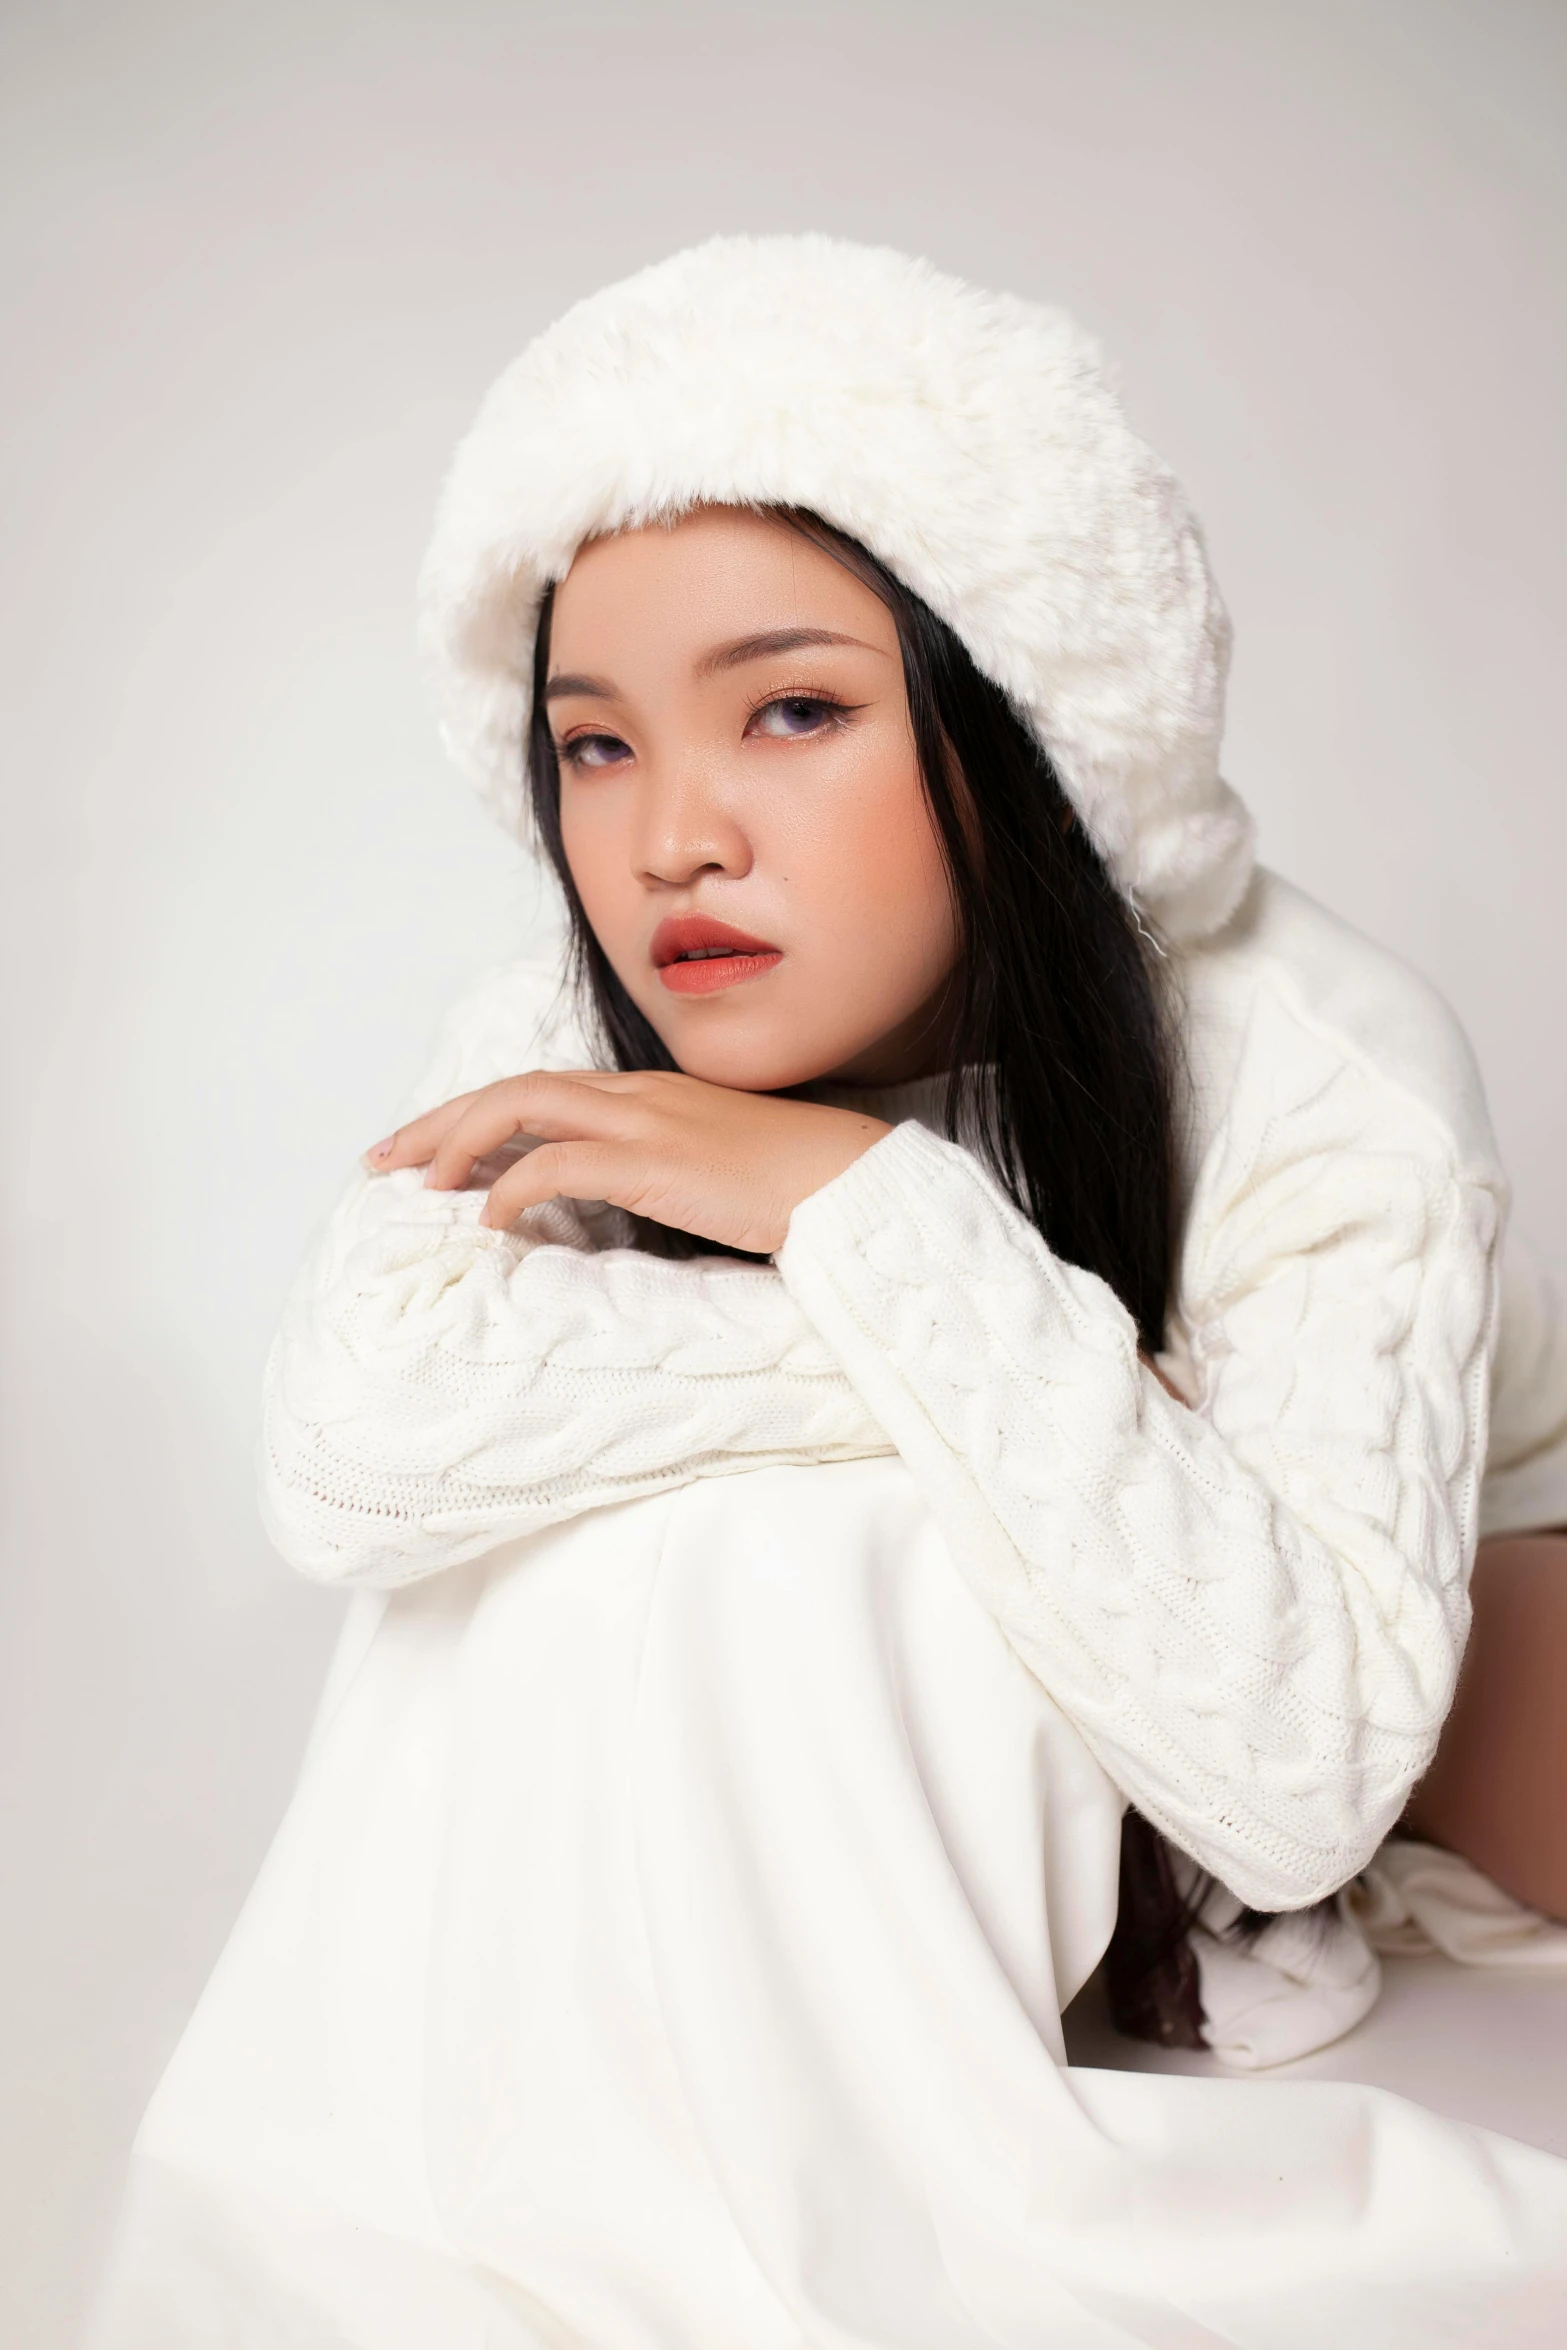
[(971, 440)]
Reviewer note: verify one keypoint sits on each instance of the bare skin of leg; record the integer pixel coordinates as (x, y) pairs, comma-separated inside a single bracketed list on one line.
[(1497, 1791)]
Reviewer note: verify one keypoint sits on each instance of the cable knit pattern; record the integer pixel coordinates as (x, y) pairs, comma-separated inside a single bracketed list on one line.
[(1253, 1608), (437, 1388), (1253, 1611)]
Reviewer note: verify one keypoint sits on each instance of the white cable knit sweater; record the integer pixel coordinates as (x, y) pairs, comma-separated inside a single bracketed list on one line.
[(1251, 1604)]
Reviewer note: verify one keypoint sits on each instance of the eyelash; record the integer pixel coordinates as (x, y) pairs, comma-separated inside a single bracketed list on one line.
[(570, 751), (826, 701)]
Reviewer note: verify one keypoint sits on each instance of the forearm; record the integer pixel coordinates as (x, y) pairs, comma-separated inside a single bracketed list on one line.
[(1256, 1630), (438, 1389)]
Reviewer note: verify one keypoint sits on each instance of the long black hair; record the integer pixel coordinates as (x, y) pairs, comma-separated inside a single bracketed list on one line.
[(1062, 1072)]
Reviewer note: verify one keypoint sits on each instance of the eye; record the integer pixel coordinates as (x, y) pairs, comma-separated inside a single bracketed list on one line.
[(795, 715), (593, 750)]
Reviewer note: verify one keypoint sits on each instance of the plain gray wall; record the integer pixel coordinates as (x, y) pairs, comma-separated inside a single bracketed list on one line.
[(262, 261)]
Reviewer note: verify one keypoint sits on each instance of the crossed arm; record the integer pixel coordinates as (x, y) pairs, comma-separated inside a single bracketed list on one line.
[(1252, 1610)]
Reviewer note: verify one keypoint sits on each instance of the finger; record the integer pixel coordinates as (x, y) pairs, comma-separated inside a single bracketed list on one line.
[(606, 1080), (413, 1144), (560, 1170), (545, 1104)]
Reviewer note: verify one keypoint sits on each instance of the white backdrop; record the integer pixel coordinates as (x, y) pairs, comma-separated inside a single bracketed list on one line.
[(264, 260)]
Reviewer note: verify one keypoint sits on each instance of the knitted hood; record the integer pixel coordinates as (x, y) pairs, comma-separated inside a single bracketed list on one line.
[(972, 441)]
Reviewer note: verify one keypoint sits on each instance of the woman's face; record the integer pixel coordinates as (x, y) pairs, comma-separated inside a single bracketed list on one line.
[(741, 804)]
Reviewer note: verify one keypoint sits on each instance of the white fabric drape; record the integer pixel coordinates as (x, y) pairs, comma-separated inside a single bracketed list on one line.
[(666, 1947)]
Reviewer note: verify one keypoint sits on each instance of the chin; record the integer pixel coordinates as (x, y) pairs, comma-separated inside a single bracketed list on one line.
[(759, 1063)]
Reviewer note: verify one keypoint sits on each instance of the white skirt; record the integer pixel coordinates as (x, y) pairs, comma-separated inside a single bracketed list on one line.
[(665, 1950)]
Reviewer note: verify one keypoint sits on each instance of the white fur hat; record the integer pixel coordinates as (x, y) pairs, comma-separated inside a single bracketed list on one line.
[(972, 441)]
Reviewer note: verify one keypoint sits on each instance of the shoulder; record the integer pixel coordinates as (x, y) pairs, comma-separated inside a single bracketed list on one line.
[(1289, 1007), (519, 1015), (527, 1008)]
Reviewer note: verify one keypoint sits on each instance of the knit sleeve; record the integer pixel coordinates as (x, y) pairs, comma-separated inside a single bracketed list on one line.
[(1253, 1609), (437, 1388)]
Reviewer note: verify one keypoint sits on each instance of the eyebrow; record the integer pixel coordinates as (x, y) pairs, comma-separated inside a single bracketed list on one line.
[(764, 646), (597, 689), (772, 641)]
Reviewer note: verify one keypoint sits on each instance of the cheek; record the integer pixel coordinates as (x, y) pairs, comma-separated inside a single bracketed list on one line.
[(872, 884), (593, 835)]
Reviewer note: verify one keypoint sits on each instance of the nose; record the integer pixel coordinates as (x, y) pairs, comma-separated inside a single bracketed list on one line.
[(685, 827)]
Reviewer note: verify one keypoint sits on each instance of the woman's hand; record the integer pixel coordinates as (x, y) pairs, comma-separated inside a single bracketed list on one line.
[(728, 1166)]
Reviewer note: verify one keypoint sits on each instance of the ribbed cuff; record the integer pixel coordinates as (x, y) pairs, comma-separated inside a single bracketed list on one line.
[(883, 1183)]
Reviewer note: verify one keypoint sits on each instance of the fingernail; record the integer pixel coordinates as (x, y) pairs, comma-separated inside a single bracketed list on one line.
[(378, 1152)]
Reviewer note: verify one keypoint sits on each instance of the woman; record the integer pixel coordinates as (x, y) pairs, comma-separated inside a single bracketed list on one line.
[(669, 1938)]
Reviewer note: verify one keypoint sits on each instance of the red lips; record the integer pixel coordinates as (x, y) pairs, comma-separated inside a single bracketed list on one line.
[(694, 955)]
